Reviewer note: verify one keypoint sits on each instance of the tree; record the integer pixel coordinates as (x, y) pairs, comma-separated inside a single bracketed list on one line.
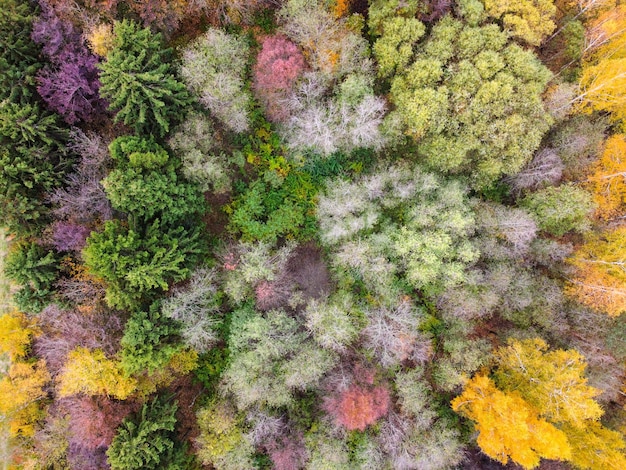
[(332, 322), (560, 209), (35, 269), (596, 447), (349, 119), (329, 45), (213, 69), (21, 390), (278, 66), (161, 14), (545, 169), (197, 307), (469, 98), (16, 333), (202, 163), (608, 181), (408, 222), (529, 20), (20, 59), (33, 160), (64, 330), (552, 382), (69, 84), (92, 373), (358, 407), (271, 359), (603, 78), (147, 344), (250, 265), (599, 279), (139, 81), (83, 199), (147, 441), (508, 426), (145, 172), (392, 334), (93, 420), (67, 236), (220, 432), (135, 266)]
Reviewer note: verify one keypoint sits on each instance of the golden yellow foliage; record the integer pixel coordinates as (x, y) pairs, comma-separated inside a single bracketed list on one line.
[(551, 381), (603, 79), (100, 39), (508, 426), (530, 20), (595, 447), (600, 278), (92, 373), (20, 391), (608, 181), (341, 8), (15, 335)]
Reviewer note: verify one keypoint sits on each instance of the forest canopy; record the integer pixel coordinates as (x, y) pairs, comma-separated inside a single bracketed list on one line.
[(312, 234)]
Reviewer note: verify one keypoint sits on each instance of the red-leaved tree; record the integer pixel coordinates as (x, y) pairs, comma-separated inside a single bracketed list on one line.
[(94, 420), (278, 66), (360, 404)]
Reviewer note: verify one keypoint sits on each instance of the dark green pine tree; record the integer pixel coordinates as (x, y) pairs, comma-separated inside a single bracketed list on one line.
[(35, 269), (139, 80), (32, 163), (19, 57), (147, 442), (137, 266), (147, 344)]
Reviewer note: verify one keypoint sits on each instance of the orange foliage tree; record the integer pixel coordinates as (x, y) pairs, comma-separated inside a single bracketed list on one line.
[(608, 181), (358, 406), (600, 277)]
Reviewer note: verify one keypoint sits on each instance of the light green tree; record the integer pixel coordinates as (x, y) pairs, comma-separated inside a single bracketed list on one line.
[(469, 97)]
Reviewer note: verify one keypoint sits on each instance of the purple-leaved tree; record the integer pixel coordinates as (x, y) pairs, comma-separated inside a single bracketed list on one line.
[(69, 83)]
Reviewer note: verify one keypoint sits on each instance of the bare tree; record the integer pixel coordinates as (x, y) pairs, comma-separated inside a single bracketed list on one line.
[(546, 168)]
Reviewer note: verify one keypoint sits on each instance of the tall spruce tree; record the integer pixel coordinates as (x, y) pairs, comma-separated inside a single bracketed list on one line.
[(138, 80)]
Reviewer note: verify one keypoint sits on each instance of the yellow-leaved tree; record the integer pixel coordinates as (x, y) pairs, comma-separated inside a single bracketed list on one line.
[(603, 78), (22, 386), (551, 381), (600, 277), (92, 373), (595, 447), (607, 183), (21, 390), (508, 427), (530, 20), (546, 392), (16, 333)]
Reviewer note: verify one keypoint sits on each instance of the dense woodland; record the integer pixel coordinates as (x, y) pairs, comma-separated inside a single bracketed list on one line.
[(313, 234)]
